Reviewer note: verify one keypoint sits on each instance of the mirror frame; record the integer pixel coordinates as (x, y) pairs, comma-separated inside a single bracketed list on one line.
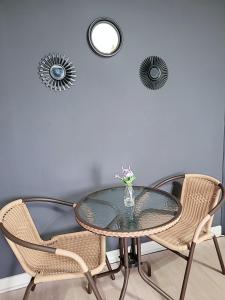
[(114, 25)]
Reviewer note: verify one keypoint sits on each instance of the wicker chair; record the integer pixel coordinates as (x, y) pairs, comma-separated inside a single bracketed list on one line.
[(201, 197), (64, 256)]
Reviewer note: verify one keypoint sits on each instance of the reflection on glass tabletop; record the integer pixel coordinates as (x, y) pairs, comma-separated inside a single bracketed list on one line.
[(105, 209)]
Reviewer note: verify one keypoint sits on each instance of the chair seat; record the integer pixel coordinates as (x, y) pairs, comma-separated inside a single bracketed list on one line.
[(53, 267), (179, 236), (154, 215), (67, 256)]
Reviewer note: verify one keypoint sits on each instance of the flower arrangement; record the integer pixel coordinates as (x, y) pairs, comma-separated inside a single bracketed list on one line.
[(127, 176)]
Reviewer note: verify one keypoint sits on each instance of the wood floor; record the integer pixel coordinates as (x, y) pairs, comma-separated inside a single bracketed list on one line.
[(206, 282)]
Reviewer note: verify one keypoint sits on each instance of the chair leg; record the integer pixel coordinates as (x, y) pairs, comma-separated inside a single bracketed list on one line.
[(88, 288), (93, 286), (187, 271), (148, 268), (219, 254), (30, 287), (109, 267), (33, 288)]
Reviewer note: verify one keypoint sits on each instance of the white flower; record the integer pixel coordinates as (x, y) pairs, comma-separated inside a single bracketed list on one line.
[(127, 176), (127, 172)]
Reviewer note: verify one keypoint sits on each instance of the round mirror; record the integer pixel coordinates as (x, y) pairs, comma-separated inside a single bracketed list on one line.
[(104, 37)]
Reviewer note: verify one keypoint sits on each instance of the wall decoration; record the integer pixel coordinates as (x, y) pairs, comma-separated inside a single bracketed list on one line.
[(57, 72), (153, 72), (104, 37)]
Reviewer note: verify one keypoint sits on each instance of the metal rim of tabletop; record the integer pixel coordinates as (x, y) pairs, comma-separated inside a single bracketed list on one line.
[(130, 234)]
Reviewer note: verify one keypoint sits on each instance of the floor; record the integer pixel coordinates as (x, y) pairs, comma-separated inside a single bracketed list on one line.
[(206, 282)]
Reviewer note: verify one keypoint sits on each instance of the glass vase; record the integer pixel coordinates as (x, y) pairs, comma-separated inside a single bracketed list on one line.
[(128, 196)]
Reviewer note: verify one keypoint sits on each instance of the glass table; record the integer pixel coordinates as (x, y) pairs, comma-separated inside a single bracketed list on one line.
[(103, 212)]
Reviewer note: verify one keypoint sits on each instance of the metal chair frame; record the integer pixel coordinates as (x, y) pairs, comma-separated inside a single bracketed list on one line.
[(189, 258), (31, 286)]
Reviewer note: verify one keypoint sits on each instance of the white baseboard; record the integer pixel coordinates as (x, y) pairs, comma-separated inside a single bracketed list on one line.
[(146, 248), (14, 282), (217, 230), (151, 247), (21, 280)]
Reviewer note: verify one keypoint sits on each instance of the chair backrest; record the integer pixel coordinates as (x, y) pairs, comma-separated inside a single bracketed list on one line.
[(16, 218), (200, 194)]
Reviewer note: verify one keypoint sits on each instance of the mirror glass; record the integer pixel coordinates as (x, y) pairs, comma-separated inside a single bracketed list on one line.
[(57, 72), (104, 37)]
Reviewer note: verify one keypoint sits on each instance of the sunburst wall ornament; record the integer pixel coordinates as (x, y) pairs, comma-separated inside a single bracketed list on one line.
[(57, 72), (153, 72)]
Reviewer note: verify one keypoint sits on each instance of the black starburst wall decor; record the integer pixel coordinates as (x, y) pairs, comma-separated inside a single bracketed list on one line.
[(57, 72), (153, 72)]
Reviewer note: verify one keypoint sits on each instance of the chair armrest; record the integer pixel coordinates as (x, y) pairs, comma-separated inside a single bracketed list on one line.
[(49, 200), (199, 228), (140, 199), (73, 256), (220, 202), (43, 248), (210, 215), (165, 180), (23, 243)]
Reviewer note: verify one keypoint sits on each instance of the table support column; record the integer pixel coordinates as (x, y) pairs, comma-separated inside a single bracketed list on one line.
[(126, 267)]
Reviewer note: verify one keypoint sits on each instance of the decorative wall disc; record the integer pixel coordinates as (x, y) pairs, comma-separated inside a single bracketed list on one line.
[(57, 72), (153, 72)]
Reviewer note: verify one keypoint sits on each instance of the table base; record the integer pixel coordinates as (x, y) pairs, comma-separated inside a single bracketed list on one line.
[(129, 260)]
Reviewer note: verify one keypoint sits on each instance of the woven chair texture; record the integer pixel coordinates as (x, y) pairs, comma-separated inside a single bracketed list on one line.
[(200, 193), (46, 266), (154, 215)]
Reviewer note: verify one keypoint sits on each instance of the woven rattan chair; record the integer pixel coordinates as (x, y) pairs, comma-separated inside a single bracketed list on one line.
[(201, 197), (64, 256)]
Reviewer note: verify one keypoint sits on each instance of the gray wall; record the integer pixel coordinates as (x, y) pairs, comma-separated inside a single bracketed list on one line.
[(223, 165), (67, 144)]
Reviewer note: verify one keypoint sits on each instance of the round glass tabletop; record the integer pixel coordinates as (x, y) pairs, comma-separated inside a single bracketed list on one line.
[(104, 212)]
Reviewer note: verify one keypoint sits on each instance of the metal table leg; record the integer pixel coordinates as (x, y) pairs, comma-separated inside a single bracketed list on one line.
[(144, 276), (111, 271), (129, 260), (126, 267)]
